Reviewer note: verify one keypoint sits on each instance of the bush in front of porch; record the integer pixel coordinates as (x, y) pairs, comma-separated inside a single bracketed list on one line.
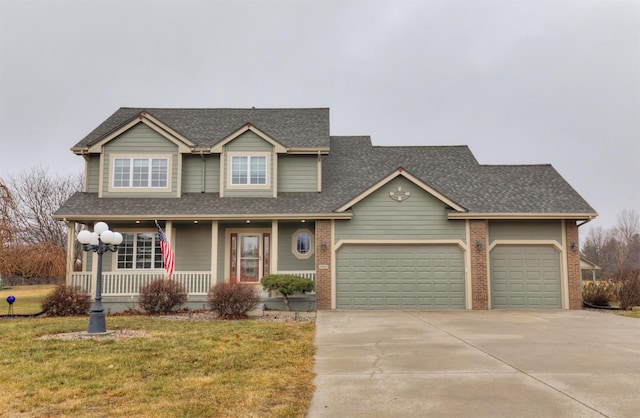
[(287, 285), (162, 296)]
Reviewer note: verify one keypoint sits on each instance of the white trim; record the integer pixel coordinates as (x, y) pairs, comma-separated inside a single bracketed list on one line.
[(219, 147), (138, 156), (209, 216), (312, 244), (274, 245), (183, 143), (333, 265), (214, 253), (274, 172), (319, 172), (101, 176), (565, 268), (227, 248), (468, 286), (461, 244), (405, 174), (557, 245), (521, 215), (564, 294), (268, 161)]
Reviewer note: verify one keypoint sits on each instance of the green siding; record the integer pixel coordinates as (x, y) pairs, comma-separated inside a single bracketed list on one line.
[(193, 247), (525, 277), (298, 173), (93, 174), (525, 230), (140, 140), (400, 277), (286, 259), (192, 166), (249, 143), (421, 216)]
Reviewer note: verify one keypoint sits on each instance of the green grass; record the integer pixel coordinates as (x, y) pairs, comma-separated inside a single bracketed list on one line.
[(27, 298), (180, 369), (633, 314)]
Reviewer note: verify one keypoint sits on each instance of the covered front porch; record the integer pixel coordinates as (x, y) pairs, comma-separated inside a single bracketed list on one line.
[(206, 253)]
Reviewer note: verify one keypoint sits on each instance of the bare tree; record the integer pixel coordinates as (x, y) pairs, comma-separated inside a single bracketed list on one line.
[(615, 249), (32, 243)]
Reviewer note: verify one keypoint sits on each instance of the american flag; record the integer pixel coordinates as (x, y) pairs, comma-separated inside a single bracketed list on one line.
[(167, 253)]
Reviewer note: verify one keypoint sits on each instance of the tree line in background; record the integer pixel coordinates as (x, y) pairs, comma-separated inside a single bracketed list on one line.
[(32, 243), (616, 249)]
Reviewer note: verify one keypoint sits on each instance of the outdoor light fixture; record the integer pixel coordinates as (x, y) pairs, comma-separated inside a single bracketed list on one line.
[(323, 245), (478, 244), (99, 241), (574, 246)]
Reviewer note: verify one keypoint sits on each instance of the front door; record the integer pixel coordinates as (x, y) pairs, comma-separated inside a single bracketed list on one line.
[(250, 255)]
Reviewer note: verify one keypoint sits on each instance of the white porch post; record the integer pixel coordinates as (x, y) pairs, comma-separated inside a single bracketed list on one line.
[(71, 231), (274, 246), (214, 253)]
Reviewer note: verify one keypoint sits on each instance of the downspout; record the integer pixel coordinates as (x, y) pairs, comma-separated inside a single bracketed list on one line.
[(203, 184)]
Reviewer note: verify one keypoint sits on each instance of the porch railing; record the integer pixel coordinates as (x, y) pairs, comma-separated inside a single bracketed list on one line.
[(127, 283)]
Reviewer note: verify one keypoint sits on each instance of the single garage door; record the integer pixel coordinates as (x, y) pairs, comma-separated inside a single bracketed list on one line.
[(399, 277), (525, 277)]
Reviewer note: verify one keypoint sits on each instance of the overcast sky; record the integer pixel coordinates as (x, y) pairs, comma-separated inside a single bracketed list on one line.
[(520, 82)]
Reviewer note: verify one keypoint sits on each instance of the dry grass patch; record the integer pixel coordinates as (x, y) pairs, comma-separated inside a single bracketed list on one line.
[(28, 298), (181, 368)]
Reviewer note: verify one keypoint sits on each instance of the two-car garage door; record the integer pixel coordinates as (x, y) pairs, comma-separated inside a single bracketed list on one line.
[(400, 277)]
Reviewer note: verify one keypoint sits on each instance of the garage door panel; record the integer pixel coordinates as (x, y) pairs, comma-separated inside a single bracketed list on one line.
[(402, 277), (525, 276)]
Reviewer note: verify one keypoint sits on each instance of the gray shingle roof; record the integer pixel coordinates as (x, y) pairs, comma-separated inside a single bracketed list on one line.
[(352, 167), (293, 128)]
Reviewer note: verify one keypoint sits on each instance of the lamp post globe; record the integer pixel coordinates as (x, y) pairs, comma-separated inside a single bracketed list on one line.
[(99, 241)]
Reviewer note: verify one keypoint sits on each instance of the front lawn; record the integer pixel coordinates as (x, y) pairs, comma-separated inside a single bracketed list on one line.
[(181, 368), (28, 298)]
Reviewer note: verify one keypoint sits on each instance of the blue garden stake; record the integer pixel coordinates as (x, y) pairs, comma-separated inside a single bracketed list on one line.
[(10, 300)]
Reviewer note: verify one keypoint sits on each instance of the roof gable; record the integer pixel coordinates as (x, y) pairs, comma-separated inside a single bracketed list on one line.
[(184, 145), (298, 129), (248, 127), (401, 172)]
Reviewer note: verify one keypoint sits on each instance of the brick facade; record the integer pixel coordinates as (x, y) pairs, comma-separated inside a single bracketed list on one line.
[(323, 264), (479, 272), (573, 265)]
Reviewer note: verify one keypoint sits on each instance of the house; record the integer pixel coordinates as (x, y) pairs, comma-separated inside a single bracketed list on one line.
[(242, 193)]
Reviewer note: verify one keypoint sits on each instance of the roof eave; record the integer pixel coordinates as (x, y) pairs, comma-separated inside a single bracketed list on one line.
[(522, 215), (206, 217)]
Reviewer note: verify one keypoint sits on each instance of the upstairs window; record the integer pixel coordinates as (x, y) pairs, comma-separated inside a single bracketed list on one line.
[(249, 170), (138, 173)]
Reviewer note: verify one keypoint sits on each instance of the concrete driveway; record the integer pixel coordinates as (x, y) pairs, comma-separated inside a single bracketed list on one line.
[(476, 364)]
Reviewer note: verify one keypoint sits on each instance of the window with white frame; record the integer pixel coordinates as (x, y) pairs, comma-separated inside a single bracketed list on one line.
[(249, 170), (139, 250), (140, 173), (302, 243)]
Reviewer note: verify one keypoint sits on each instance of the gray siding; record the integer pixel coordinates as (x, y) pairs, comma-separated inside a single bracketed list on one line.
[(249, 143), (421, 216), (298, 173), (93, 174), (140, 140), (193, 247), (525, 230), (192, 173), (286, 259)]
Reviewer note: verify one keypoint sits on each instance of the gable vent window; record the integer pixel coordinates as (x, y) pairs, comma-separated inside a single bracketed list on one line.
[(249, 170), (140, 172)]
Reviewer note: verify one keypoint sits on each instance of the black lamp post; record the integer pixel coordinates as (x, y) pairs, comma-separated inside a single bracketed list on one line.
[(99, 241)]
